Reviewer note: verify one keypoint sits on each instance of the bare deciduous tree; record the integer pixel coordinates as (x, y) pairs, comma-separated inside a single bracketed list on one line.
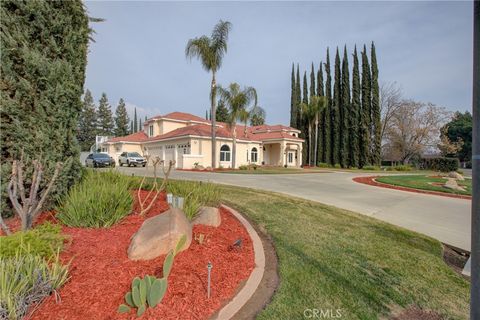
[(28, 206), (413, 129), (147, 203), (446, 146), (390, 100)]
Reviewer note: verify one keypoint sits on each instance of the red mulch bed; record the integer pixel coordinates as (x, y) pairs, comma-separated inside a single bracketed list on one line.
[(372, 182), (101, 273)]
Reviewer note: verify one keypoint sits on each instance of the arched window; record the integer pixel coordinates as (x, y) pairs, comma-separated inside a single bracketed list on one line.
[(254, 155), (225, 153)]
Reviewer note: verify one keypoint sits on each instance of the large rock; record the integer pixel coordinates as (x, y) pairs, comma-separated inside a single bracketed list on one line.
[(160, 234), (455, 175), (452, 184), (208, 216)]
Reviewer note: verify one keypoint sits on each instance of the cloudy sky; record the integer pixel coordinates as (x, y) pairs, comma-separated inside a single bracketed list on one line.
[(426, 47)]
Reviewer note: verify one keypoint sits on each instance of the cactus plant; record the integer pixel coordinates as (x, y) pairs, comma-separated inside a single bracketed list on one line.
[(150, 291), (157, 292)]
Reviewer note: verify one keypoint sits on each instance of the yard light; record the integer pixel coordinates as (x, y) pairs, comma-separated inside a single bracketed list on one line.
[(209, 267)]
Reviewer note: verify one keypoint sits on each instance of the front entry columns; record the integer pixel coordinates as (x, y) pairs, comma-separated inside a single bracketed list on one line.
[(283, 153), (299, 153)]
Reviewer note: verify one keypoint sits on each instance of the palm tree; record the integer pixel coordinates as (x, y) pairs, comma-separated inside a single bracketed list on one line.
[(210, 51), (237, 101), (310, 112)]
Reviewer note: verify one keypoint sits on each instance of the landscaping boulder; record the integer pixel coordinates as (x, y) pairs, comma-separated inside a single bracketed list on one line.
[(160, 234), (452, 184), (456, 176), (208, 216)]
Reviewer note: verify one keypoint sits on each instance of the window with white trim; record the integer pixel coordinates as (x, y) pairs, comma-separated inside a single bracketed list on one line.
[(254, 155), (225, 153), (150, 130), (290, 157)]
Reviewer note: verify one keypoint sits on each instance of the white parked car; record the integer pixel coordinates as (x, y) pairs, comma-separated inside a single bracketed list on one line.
[(131, 159)]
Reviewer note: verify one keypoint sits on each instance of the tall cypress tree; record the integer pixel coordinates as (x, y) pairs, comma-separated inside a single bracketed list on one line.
[(293, 107), (321, 124), (375, 107), (336, 121), (135, 121), (345, 113), (121, 119), (105, 118), (131, 127), (87, 122), (365, 126), (354, 114), (328, 113), (44, 48), (298, 99), (206, 114), (312, 82), (306, 150), (140, 126)]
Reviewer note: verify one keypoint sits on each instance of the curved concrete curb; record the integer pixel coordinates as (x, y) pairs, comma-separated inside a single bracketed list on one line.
[(229, 310)]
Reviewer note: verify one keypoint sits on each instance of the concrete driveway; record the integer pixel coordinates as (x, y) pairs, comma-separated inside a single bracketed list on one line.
[(446, 219)]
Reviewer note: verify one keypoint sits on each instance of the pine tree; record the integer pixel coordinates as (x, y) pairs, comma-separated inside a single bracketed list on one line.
[(321, 124), (135, 121), (222, 112), (365, 125), (293, 106), (336, 121), (87, 123), (121, 119), (345, 113), (104, 117), (312, 82), (355, 114), (375, 114), (328, 113)]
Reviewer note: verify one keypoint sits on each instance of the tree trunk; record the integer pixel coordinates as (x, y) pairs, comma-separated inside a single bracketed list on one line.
[(234, 148), (309, 144), (316, 141), (213, 97)]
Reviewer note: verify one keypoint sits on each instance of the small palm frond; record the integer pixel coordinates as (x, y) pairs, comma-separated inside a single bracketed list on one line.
[(201, 48)]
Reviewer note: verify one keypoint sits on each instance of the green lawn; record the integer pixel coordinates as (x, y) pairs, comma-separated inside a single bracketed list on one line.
[(424, 182), (335, 259)]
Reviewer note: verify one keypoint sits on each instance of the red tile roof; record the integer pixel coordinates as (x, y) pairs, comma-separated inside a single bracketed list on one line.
[(180, 116), (134, 137), (256, 133)]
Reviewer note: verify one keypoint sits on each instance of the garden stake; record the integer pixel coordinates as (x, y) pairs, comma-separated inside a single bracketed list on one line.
[(209, 267)]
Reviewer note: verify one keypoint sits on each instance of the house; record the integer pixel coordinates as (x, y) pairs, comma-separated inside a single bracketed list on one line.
[(186, 138)]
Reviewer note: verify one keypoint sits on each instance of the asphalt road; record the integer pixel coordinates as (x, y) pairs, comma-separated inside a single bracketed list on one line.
[(443, 218)]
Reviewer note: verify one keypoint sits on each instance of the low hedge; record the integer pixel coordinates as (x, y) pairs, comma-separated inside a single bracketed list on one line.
[(45, 241), (441, 164)]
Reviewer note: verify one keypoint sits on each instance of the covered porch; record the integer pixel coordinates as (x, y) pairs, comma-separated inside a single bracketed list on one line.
[(281, 153)]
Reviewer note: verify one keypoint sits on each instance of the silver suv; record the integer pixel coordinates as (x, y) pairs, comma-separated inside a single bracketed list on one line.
[(131, 159)]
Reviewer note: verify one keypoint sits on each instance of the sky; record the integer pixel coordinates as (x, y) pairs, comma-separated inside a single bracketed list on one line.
[(139, 50)]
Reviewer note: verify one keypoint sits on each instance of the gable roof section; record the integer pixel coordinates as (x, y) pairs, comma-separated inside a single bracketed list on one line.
[(180, 116), (134, 137)]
